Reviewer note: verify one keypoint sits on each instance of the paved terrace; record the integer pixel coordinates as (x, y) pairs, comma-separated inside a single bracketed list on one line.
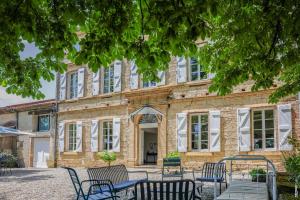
[(55, 184)]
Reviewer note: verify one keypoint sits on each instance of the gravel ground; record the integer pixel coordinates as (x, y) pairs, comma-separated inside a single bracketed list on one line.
[(55, 184)]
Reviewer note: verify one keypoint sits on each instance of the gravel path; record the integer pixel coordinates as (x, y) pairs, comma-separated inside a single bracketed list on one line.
[(55, 184)]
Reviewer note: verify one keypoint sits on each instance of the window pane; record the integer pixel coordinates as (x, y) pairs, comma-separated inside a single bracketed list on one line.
[(269, 143), (204, 145), (257, 143), (195, 128), (73, 85), (204, 128), (203, 75), (194, 119), (44, 123), (204, 119), (269, 114), (258, 134), (269, 124), (204, 136), (257, 124), (270, 133), (72, 137), (194, 145), (257, 115)]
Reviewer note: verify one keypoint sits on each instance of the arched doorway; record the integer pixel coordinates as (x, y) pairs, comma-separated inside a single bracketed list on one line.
[(147, 122)]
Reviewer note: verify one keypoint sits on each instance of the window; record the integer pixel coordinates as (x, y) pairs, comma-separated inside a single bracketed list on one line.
[(196, 71), (263, 128), (73, 85), (199, 130), (108, 79), (107, 135), (43, 122), (72, 137), (147, 84)]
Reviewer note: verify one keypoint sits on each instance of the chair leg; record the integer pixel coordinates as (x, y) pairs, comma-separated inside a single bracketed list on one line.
[(226, 185), (220, 188)]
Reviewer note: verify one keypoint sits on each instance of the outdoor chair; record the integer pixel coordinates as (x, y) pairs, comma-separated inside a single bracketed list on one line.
[(116, 175), (5, 165), (91, 195), (207, 174), (172, 168), (165, 190)]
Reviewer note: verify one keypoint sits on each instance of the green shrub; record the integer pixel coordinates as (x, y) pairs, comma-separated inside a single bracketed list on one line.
[(174, 154), (107, 157), (258, 174), (9, 159)]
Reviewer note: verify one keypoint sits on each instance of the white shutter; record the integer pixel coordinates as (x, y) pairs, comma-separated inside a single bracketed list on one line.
[(94, 135), (61, 136), (78, 136), (134, 77), (117, 76), (215, 131), (284, 126), (62, 83), (181, 70), (243, 129), (95, 84), (80, 82), (116, 134), (162, 77), (181, 132)]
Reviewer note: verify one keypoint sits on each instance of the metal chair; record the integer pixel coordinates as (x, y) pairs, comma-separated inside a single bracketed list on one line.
[(207, 174), (172, 168), (165, 190), (99, 195)]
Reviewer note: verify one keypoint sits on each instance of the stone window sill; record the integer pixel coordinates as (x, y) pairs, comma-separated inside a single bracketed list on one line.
[(199, 154)]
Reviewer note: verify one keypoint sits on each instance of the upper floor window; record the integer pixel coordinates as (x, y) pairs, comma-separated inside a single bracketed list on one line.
[(147, 84), (107, 135), (73, 85), (43, 122), (108, 79), (199, 131), (72, 137), (263, 128), (196, 71)]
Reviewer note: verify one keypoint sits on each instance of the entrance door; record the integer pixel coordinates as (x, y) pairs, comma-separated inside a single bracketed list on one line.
[(41, 152), (150, 146)]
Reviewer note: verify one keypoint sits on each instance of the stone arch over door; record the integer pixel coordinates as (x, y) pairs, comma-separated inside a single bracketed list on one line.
[(134, 127)]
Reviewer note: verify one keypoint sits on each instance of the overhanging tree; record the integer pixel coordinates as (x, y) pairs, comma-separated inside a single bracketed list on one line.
[(257, 40)]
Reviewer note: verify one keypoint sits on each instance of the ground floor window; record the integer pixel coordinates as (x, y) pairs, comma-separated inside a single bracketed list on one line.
[(43, 122), (199, 131), (263, 129), (72, 137), (107, 135)]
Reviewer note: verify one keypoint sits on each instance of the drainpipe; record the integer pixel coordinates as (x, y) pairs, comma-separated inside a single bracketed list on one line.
[(55, 120)]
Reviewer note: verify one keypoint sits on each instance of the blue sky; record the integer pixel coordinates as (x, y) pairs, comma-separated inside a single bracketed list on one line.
[(48, 87)]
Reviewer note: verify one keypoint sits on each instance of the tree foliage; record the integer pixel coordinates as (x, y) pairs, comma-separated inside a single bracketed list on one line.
[(257, 40)]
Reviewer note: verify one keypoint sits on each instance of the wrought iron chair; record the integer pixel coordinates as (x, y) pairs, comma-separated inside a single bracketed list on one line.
[(165, 190), (117, 175), (207, 174), (99, 195), (172, 168)]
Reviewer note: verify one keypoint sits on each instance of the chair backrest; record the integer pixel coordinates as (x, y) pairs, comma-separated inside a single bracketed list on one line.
[(115, 173), (174, 189), (208, 170), (75, 180)]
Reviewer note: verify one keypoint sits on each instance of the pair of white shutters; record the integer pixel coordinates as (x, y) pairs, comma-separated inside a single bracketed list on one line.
[(117, 79), (284, 128), (95, 137), (181, 71), (61, 137), (214, 131), (80, 84), (134, 77)]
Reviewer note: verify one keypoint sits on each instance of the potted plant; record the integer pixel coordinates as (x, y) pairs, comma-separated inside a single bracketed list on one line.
[(173, 154), (258, 174), (107, 157), (291, 162)]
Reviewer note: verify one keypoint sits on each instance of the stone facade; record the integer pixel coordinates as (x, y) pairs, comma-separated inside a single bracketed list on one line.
[(171, 98)]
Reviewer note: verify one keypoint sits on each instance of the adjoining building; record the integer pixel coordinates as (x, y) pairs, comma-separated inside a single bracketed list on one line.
[(39, 118), (115, 110)]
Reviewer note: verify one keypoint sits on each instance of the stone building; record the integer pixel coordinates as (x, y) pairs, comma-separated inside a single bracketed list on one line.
[(142, 121), (38, 118)]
